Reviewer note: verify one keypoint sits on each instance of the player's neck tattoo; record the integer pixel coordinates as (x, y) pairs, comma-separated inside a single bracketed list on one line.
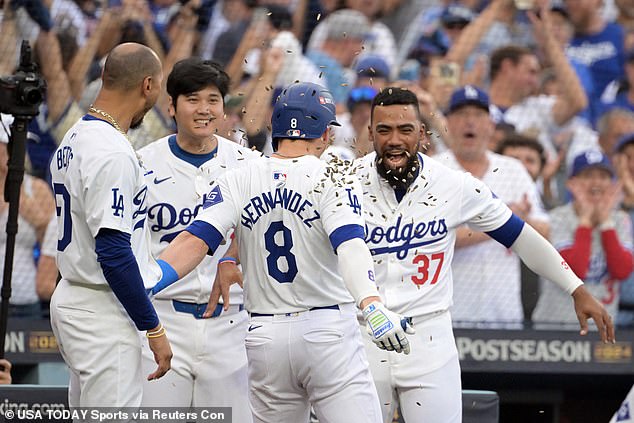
[(402, 177)]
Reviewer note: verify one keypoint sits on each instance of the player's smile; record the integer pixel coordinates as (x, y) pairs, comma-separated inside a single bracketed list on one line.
[(396, 158)]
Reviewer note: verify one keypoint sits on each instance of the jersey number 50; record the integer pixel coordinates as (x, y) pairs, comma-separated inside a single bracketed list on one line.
[(278, 250), (63, 209)]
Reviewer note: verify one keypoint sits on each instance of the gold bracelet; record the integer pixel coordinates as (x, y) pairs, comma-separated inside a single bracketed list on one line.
[(156, 334), (156, 331)]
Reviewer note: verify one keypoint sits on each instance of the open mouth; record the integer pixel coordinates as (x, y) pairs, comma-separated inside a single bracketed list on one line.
[(395, 159)]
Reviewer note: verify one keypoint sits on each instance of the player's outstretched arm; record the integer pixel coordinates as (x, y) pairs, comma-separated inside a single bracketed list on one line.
[(180, 257), (160, 346), (387, 329), (542, 258)]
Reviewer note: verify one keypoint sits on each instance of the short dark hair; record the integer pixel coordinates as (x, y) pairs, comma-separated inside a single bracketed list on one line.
[(389, 96), (511, 52), (193, 74), (514, 139)]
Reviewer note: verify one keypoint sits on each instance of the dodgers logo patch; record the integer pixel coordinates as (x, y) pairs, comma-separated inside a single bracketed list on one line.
[(213, 197)]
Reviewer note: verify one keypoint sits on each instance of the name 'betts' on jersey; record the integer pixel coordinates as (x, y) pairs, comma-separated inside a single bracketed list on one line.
[(412, 242), (98, 183)]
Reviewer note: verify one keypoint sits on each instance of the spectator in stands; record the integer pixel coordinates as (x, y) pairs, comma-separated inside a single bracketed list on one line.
[(371, 70), (514, 73), (378, 40), (5, 372), (597, 44), (592, 235), (620, 93), (531, 153), (487, 291), (261, 96), (613, 125), (344, 32), (35, 209), (623, 160), (225, 14)]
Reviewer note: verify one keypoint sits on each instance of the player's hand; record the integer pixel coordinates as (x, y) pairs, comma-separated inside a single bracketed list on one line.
[(387, 328), (586, 306), (227, 274), (162, 351)]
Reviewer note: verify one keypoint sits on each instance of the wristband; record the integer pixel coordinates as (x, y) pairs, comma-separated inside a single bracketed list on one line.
[(168, 277), (228, 260)]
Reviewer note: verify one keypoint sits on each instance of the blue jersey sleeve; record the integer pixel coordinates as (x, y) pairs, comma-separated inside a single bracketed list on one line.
[(121, 270), (508, 233)]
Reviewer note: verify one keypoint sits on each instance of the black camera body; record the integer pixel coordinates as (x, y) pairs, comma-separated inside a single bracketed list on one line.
[(22, 93)]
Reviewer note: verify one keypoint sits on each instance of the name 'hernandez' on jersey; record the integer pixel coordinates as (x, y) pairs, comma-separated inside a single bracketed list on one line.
[(412, 242), (288, 215)]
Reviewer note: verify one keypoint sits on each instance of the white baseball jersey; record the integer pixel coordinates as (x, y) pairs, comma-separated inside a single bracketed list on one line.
[(98, 183), (285, 212), (176, 195), (487, 274), (412, 241)]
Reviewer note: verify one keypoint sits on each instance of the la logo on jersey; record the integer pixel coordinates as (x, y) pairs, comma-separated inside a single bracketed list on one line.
[(213, 197)]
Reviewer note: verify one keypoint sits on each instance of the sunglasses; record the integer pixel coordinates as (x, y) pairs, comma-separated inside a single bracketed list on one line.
[(362, 94)]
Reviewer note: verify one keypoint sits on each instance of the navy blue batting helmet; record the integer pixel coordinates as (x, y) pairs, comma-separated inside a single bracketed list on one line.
[(303, 110)]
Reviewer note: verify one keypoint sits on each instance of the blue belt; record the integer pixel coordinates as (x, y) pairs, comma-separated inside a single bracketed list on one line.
[(197, 310), (330, 307)]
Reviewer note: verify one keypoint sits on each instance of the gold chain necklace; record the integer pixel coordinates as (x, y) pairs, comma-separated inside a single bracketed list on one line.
[(109, 118), (114, 123)]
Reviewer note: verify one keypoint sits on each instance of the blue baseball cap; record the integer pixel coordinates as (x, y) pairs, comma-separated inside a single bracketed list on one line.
[(456, 14), (622, 142), (589, 159), (468, 95), (303, 110), (372, 66)]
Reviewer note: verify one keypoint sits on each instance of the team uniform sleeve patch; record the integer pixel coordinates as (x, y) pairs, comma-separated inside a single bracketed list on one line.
[(212, 222), (345, 233), (213, 197)]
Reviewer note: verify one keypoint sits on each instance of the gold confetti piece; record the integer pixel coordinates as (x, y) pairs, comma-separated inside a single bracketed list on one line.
[(318, 16)]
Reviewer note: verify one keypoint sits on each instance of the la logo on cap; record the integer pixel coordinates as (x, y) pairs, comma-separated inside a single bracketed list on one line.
[(470, 92), (593, 157)]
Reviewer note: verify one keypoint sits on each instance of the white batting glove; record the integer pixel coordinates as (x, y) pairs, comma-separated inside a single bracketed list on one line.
[(387, 328)]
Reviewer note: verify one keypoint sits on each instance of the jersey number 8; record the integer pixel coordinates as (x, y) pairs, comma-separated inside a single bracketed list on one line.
[(277, 251)]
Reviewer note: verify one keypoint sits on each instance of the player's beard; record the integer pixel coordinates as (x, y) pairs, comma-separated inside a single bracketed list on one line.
[(138, 119), (402, 177)]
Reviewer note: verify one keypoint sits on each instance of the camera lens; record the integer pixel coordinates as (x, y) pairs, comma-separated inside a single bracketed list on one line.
[(31, 96)]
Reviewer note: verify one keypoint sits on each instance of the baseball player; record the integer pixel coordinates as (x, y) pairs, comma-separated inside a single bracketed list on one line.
[(413, 205), (297, 221), (210, 362), (103, 245)]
